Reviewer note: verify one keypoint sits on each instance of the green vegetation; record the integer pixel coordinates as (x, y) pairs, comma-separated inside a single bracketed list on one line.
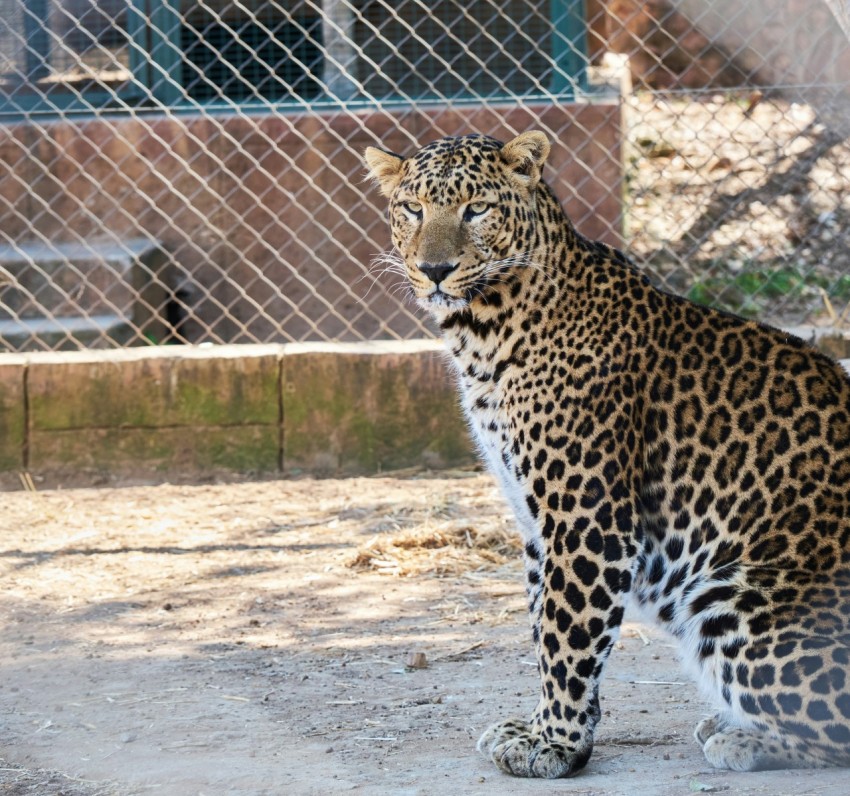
[(747, 291)]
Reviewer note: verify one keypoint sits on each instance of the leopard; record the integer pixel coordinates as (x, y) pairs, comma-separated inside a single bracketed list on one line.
[(655, 453)]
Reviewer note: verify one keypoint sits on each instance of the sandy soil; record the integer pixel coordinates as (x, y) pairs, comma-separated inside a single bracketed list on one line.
[(253, 638)]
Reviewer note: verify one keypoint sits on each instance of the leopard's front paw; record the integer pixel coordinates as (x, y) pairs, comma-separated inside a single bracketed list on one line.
[(516, 749)]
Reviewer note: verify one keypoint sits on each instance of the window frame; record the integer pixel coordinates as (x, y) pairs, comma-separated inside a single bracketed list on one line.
[(155, 83), (69, 100)]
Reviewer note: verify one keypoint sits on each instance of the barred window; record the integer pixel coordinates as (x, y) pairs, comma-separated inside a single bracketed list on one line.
[(454, 50), (57, 55), (52, 51), (258, 49)]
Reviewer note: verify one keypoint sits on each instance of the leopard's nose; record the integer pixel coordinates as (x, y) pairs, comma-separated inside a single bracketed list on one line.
[(437, 272)]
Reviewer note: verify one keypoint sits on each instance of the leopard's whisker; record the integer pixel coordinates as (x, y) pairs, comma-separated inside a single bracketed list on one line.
[(386, 262)]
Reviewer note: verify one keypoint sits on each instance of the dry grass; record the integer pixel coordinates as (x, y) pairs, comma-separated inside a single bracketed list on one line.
[(18, 781), (444, 549)]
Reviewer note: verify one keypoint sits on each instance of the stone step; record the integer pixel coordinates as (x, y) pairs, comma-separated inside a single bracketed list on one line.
[(72, 295)]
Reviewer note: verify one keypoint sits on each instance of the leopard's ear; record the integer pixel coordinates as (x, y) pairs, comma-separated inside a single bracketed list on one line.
[(526, 154), (384, 168)]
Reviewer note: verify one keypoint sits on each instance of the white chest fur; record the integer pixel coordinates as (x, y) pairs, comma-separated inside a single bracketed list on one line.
[(492, 429)]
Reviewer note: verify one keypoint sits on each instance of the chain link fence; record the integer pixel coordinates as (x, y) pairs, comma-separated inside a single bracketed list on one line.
[(176, 171), (738, 167)]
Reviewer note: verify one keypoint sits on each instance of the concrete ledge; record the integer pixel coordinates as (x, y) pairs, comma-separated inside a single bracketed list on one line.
[(383, 406), (13, 411), (166, 387), (833, 342), (184, 413), (188, 413), (160, 453)]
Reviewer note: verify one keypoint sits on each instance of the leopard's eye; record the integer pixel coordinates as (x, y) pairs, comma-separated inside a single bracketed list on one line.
[(414, 208), (475, 209)]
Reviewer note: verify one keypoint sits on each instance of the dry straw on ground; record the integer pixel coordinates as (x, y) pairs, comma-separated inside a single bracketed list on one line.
[(448, 548)]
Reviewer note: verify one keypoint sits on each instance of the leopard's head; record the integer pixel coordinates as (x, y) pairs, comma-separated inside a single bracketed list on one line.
[(463, 214)]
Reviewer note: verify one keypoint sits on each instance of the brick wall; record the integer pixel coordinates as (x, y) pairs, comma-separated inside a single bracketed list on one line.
[(273, 202)]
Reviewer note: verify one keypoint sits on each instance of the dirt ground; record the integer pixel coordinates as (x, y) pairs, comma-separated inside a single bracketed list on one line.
[(254, 638)]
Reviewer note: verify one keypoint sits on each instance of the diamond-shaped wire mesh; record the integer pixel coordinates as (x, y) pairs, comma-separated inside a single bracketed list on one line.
[(175, 171)]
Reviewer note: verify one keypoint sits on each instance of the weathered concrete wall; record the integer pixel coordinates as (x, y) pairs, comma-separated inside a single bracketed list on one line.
[(351, 408), (13, 412), (129, 412), (185, 413)]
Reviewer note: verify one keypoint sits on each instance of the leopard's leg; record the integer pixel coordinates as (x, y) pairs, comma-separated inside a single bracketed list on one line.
[(726, 745), (753, 749), (788, 699), (578, 576)]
